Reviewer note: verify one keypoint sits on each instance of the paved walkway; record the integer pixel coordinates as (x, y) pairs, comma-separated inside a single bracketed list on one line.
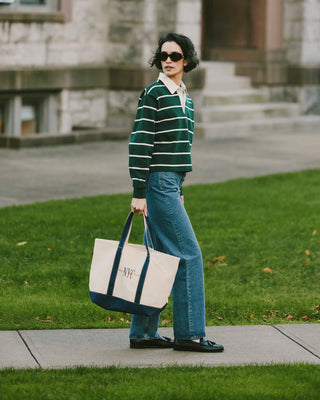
[(105, 347), (59, 172), (40, 174)]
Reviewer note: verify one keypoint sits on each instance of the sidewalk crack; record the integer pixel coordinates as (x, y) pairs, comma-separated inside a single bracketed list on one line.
[(27, 346), (295, 341)]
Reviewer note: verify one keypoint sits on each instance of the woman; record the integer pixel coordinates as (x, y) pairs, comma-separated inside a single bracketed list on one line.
[(159, 157)]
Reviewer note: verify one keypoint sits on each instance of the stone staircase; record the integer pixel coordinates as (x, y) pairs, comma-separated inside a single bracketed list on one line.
[(231, 107)]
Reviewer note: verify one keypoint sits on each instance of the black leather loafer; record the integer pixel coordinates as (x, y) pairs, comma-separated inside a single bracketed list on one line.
[(156, 343), (204, 346)]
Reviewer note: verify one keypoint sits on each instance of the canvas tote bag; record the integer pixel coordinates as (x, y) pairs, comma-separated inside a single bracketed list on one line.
[(129, 277)]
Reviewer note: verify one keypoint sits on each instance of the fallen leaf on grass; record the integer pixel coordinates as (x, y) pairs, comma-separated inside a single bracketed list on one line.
[(272, 313), (21, 243), (305, 318), (318, 307), (166, 321), (314, 232), (122, 320), (220, 258), (218, 261), (48, 319), (289, 317), (268, 270), (307, 252)]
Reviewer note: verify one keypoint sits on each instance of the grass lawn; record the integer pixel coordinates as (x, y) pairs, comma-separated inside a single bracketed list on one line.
[(280, 382), (260, 240)]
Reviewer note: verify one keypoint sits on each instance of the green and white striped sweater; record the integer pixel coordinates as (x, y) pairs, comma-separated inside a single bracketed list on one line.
[(162, 135)]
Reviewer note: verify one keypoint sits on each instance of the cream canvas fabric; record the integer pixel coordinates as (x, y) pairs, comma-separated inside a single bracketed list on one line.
[(158, 281)]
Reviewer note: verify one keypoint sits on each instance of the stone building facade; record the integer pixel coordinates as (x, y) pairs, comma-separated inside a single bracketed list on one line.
[(76, 64), (301, 37)]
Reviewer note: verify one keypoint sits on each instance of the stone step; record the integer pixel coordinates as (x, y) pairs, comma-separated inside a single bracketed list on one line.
[(237, 112), (222, 83), (216, 98), (247, 128), (217, 68)]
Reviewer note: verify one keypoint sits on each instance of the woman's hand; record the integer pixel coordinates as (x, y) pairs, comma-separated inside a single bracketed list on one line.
[(139, 206)]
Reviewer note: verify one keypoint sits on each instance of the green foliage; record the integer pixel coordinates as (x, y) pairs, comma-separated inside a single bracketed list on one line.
[(278, 382), (260, 240)]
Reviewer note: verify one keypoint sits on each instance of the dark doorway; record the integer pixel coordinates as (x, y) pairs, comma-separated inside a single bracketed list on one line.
[(232, 25)]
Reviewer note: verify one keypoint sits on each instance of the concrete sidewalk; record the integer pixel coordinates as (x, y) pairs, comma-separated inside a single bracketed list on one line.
[(106, 347)]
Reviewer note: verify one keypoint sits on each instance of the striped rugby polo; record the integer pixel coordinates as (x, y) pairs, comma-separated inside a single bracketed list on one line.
[(162, 135)]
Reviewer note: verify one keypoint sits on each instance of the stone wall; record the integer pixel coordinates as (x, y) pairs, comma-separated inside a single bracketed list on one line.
[(302, 45), (302, 32), (123, 34), (82, 108), (82, 40), (189, 20), (135, 26), (119, 33)]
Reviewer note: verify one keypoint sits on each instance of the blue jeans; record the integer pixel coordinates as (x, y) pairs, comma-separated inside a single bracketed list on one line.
[(172, 233)]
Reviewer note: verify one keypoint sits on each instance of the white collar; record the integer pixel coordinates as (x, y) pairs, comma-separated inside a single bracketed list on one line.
[(170, 84)]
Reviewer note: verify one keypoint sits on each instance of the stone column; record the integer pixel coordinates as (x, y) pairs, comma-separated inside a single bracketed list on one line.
[(311, 33), (189, 20), (274, 25), (302, 32), (159, 19), (302, 41)]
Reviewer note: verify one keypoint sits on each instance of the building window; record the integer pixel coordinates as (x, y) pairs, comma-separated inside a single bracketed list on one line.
[(30, 117), (2, 118), (28, 113), (29, 5), (32, 2), (36, 10)]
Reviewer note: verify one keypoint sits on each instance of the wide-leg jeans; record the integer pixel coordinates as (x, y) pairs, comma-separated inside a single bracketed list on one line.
[(172, 233)]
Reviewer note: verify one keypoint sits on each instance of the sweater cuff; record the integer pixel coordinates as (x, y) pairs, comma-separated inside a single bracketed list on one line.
[(139, 193)]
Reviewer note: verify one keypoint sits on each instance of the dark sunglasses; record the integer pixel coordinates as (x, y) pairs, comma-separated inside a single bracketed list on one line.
[(174, 56)]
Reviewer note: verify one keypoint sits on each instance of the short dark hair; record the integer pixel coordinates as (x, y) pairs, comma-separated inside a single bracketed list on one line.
[(187, 48)]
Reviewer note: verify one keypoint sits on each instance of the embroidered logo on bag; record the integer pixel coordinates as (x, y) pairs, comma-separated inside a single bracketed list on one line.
[(128, 272)]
